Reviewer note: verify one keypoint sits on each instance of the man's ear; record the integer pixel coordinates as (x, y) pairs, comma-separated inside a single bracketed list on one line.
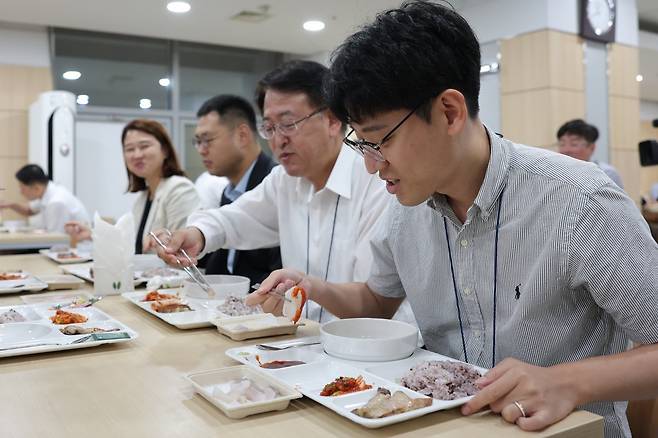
[(242, 135), (451, 107), (335, 125)]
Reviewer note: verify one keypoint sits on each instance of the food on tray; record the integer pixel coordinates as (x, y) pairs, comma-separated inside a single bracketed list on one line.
[(64, 317), (11, 276), (11, 316), (442, 379), (154, 295), (171, 305), (274, 364), (78, 302), (160, 272), (235, 306), (67, 255), (79, 330), (294, 303), (344, 385), (383, 404), (243, 390)]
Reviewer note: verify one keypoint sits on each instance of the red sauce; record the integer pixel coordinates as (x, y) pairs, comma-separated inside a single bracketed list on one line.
[(281, 364)]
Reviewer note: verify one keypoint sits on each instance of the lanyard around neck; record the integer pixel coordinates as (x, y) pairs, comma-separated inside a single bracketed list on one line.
[(331, 244), (454, 284)]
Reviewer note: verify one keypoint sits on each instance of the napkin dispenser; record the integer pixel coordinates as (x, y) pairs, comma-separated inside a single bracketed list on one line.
[(114, 247)]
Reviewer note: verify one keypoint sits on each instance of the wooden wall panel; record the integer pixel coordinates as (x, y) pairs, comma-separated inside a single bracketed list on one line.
[(627, 163), (623, 68), (542, 59), (19, 87), (566, 67), (624, 116), (623, 127), (533, 117), (13, 133)]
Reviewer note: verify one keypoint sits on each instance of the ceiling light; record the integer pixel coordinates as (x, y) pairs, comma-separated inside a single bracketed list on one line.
[(639, 78), (179, 7), (313, 25), (164, 82), (145, 103), (82, 99), (72, 75)]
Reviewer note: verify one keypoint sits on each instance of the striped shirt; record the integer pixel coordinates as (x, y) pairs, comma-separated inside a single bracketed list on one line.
[(577, 270)]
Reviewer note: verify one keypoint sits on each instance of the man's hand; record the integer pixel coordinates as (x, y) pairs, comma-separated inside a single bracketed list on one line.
[(189, 239), (77, 230), (544, 394), (278, 282)]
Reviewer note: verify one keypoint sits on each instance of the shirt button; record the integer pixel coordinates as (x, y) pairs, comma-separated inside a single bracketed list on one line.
[(467, 291), (464, 243)]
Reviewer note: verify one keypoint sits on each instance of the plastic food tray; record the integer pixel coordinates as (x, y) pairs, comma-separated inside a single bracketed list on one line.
[(320, 368), (38, 334)]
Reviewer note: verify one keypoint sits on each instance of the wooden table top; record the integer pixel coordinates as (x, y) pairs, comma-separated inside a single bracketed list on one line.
[(31, 240), (138, 389)]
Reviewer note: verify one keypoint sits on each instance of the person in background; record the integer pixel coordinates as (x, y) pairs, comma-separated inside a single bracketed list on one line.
[(165, 196), (226, 138), (307, 204), (577, 139), (210, 189), (53, 202), (513, 258)]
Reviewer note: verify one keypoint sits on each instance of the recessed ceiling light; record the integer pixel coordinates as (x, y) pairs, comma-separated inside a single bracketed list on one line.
[(639, 78), (82, 99), (145, 103), (72, 75), (313, 25), (164, 82), (179, 7)]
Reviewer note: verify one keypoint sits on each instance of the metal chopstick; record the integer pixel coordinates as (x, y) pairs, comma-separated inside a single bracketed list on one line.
[(201, 282)]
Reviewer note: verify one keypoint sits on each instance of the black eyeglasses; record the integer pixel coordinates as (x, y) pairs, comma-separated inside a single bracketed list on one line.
[(372, 150)]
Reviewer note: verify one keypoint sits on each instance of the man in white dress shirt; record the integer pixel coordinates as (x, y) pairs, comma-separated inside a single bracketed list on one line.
[(53, 203), (308, 205), (210, 189)]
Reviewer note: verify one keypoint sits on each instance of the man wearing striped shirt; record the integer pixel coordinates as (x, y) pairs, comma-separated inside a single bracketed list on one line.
[(512, 257)]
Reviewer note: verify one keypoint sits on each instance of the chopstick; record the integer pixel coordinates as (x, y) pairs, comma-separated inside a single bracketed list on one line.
[(192, 271), (272, 293)]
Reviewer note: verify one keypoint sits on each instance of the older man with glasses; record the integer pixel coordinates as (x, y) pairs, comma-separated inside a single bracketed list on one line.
[(320, 205)]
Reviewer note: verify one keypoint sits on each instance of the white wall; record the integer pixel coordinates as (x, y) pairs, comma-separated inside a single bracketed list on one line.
[(24, 45), (494, 20), (100, 173)]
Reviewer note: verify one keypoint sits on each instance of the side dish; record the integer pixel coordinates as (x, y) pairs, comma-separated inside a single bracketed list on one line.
[(383, 404), (344, 385)]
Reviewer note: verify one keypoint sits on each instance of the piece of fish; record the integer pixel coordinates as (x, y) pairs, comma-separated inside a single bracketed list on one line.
[(383, 404)]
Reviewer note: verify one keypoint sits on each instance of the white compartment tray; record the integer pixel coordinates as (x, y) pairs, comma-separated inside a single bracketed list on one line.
[(320, 368), (38, 334)]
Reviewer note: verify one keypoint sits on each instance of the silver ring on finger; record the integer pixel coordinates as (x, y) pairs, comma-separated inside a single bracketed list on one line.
[(520, 406)]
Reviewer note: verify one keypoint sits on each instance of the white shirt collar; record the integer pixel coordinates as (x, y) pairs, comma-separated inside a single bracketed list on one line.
[(340, 178)]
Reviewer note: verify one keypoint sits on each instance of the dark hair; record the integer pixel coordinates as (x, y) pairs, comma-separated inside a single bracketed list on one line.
[(402, 59), (232, 110), (31, 174), (294, 77), (170, 165), (580, 128)]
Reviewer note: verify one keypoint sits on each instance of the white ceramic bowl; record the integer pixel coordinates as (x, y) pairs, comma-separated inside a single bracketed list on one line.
[(369, 339), (144, 262), (223, 285)]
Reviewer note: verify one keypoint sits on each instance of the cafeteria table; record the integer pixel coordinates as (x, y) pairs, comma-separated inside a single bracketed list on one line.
[(138, 389), (30, 240)]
